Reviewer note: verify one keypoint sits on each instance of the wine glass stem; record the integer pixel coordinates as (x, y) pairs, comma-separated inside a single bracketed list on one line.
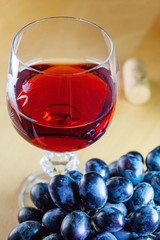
[(55, 162)]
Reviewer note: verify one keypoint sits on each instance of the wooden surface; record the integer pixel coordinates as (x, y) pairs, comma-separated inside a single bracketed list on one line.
[(135, 28)]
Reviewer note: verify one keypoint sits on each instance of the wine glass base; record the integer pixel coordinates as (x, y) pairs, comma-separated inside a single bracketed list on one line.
[(24, 195), (52, 163)]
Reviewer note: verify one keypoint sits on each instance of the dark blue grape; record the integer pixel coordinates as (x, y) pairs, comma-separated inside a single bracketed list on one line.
[(131, 168), (143, 238), (53, 218), (123, 235), (149, 175), (109, 219), (93, 191), (54, 236), (157, 237), (155, 182), (143, 195), (156, 233), (75, 175), (137, 155), (26, 231), (113, 171), (97, 165), (153, 159), (144, 220), (64, 192), (120, 206), (157, 207), (30, 213), (120, 189), (104, 236), (75, 225), (41, 197)]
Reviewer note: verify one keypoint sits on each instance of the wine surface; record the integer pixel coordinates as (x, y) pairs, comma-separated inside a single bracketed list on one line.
[(62, 107)]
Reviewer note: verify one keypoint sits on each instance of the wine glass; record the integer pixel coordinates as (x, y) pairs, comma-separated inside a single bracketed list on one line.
[(61, 89)]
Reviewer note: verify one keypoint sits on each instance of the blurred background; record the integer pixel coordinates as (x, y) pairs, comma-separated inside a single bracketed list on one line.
[(134, 27)]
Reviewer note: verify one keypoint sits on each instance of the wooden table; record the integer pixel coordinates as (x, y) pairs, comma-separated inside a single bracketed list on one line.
[(135, 28)]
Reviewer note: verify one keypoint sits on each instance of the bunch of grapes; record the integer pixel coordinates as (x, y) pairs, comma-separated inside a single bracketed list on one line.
[(107, 202)]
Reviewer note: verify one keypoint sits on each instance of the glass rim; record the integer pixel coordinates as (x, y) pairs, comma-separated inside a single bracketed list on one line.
[(63, 17)]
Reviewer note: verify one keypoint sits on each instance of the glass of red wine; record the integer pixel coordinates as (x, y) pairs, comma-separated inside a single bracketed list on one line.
[(61, 89)]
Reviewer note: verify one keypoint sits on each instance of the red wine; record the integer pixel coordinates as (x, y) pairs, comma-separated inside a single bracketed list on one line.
[(62, 107)]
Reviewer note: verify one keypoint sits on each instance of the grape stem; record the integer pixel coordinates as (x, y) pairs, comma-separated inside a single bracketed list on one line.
[(94, 226), (152, 235)]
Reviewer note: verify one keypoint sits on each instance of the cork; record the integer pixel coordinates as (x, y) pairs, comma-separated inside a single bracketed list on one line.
[(136, 82)]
